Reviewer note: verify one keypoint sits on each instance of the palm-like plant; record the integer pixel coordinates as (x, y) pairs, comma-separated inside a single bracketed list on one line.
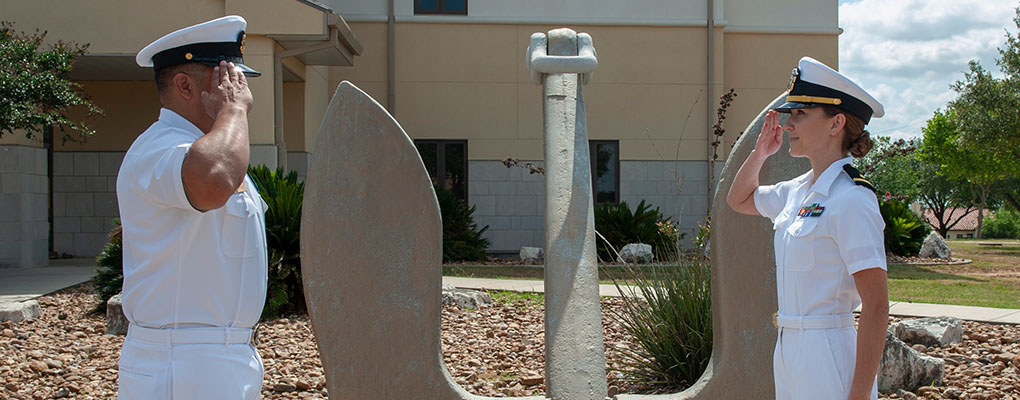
[(283, 193), (619, 226)]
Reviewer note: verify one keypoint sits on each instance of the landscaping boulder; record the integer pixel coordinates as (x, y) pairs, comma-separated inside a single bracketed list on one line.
[(532, 255), (904, 368), (935, 331), (465, 298), (116, 322), (935, 247), (20, 311), (636, 253)]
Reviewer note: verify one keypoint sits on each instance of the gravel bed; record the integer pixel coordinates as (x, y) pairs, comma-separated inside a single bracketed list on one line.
[(492, 351)]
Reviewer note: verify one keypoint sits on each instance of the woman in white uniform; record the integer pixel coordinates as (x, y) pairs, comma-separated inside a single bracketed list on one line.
[(830, 256)]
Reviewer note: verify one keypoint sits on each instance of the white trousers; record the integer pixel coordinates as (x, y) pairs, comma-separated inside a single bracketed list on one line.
[(160, 371), (816, 364)]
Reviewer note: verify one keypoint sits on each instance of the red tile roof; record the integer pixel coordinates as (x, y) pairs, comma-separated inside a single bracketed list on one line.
[(968, 223)]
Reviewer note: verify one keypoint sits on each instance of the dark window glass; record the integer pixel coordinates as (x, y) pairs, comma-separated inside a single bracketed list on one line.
[(605, 167), (440, 7), (446, 159), (455, 5), (426, 6)]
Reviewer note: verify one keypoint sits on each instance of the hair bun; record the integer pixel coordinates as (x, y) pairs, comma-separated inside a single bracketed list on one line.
[(861, 145)]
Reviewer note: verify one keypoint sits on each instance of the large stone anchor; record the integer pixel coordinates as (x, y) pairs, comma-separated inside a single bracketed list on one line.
[(372, 255)]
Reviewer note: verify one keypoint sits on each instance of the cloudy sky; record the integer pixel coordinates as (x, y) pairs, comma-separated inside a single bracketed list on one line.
[(907, 52)]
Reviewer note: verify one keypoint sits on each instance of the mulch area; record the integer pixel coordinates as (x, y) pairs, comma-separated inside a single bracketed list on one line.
[(492, 351)]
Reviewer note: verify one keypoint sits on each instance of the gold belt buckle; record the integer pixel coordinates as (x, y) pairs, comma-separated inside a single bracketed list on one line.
[(255, 334), (775, 319)]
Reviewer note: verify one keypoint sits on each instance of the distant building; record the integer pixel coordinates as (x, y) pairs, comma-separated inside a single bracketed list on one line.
[(966, 228), (453, 74)]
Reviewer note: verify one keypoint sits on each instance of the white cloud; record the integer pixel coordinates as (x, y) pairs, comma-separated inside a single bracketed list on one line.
[(907, 53)]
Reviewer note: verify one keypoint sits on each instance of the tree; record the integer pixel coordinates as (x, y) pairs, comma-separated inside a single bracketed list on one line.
[(962, 158), (893, 168), (34, 88)]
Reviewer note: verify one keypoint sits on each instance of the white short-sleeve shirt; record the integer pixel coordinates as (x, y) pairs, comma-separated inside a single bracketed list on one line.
[(825, 232), (182, 267)]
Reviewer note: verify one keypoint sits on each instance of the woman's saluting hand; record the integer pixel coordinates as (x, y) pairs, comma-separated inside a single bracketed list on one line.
[(771, 137)]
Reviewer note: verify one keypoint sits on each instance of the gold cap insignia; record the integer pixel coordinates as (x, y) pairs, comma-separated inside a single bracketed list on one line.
[(188, 56), (793, 79), (243, 36)]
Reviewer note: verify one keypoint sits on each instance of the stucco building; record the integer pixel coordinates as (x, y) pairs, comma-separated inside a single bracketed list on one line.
[(453, 74)]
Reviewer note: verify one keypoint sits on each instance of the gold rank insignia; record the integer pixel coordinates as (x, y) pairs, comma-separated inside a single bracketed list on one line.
[(793, 79), (813, 210), (242, 188)]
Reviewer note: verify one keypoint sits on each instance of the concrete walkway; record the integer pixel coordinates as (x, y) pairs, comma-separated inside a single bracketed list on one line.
[(22, 284), (896, 308)]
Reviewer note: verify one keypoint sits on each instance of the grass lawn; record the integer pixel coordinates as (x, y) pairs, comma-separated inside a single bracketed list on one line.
[(991, 280)]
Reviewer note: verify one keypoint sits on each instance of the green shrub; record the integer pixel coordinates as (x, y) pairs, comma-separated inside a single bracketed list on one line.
[(671, 322), (905, 231), (284, 195), (619, 226), (1005, 224), (109, 279), (462, 240)]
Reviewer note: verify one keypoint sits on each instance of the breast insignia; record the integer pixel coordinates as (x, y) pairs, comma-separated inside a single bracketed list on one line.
[(857, 177)]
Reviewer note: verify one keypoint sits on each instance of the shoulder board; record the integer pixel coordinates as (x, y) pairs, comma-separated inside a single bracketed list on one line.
[(857, 177)]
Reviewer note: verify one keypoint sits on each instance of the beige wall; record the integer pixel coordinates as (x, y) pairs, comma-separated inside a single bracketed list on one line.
[(128, 109), (758, 66), (469, 81), (293, 115)]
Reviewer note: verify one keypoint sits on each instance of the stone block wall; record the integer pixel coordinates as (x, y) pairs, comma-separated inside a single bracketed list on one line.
[(84, 200), (24, 223), (511, 201)]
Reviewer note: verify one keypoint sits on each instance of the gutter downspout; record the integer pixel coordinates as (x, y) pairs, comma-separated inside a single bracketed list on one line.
[(278, 56), (708, 103), (391, 60)]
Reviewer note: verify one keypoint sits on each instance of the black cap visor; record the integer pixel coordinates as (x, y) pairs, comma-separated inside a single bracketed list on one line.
[(248, 71), (791, 105)]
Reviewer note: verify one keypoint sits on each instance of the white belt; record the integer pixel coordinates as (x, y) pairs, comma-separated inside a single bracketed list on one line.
[(224, 335), (814, 321)]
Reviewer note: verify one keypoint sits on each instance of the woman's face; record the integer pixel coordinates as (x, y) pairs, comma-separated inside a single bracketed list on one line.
[(810, 131)]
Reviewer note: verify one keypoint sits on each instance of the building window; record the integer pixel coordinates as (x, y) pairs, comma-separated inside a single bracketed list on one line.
[(440, 7), (446, 162), (605, 170)]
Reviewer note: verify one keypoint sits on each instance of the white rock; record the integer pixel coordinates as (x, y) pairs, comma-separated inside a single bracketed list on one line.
[(20, 311), (465, 298), (931, 332), (116, 322), (636, 253), (935, 247), (904, 368), (532, 254)]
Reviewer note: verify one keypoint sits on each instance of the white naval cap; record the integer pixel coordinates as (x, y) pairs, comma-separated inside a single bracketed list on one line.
[(814, 84), (207, 43)]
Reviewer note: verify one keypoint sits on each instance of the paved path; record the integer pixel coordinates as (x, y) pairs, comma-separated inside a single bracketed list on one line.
[(28, 283), (903, 309), (20, 284)]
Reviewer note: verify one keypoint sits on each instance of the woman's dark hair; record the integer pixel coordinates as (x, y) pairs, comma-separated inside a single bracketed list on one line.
[(856, 141)]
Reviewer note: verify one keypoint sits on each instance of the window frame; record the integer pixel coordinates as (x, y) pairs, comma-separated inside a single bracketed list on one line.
[(441, 160), (440, 9), (593, 159)]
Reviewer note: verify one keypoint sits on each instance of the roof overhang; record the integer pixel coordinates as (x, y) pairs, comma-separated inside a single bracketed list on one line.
[(337, 46)]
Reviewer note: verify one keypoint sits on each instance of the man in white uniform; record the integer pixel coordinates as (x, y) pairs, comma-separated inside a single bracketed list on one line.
[(193, 223)]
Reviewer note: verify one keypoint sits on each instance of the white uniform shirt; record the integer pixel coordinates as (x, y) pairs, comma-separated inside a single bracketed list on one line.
[(182, 267), (817, 254)]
